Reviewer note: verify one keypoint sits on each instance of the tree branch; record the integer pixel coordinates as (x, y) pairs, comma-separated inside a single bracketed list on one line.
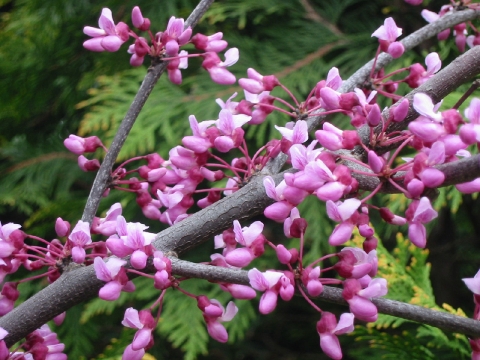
[(442, 320)]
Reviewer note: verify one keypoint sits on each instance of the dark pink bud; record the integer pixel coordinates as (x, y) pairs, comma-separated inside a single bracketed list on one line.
[(348, 101), (88, 165), (370, 244), (327, 323), (390, 217), (92, 143), (350, 139), (451, 120), (17, 237), (390, 87), (298, 227), (350, 288), (396, 49), (141, 47), (154, 160), (269, 82)]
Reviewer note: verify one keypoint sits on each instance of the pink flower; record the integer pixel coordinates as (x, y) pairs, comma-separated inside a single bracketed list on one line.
[(62, 227), (387, 35), (473, 283), (79, 238), (358, 298), (108, 37), (79, 145), (144, 322), (115, 276), (418, 75), (272, 283), (216, 67), (209, 43), (334, 139), (132, 240), (214, 314), (107, 225), (251, 237), (297, 134), (356, 263), (257, 83), (418, 213), (328, 329), (343, 213), (8, 297)]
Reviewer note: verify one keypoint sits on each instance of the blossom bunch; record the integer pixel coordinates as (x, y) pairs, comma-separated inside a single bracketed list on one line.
[(163, 46)]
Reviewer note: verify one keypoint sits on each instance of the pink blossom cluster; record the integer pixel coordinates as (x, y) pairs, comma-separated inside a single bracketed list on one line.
[(40, 344), (163, 46)]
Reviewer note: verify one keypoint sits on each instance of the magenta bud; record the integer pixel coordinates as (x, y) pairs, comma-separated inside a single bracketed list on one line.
[(370, 244), (284, 256), (401, 110), (88, 165), (62, 227), (299, 226), (374, 116)]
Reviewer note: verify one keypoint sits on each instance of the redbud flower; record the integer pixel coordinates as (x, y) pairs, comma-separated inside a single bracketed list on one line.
[(114, 274), (108, 37), (358, 298), (297, 134), (88, 165), (79, 145), (418, 213), (144, 322), (469, 187), (216, 67), (107, 225), (334, 139), (272, 283), (343, 213), (133, 240), (209, 43), (470, 133), (387, 34), (214, 314), (251, 237), (257, 83), (80, 237), (328, 329)]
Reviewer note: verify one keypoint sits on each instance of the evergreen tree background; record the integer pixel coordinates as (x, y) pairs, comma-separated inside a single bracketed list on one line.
[(50, 87)]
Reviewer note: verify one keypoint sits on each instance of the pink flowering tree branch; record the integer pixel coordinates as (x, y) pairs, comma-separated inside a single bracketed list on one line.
[(262, 190), (155, 70)]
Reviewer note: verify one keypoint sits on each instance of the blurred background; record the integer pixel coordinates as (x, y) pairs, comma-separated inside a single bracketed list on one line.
[(50, 87)]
